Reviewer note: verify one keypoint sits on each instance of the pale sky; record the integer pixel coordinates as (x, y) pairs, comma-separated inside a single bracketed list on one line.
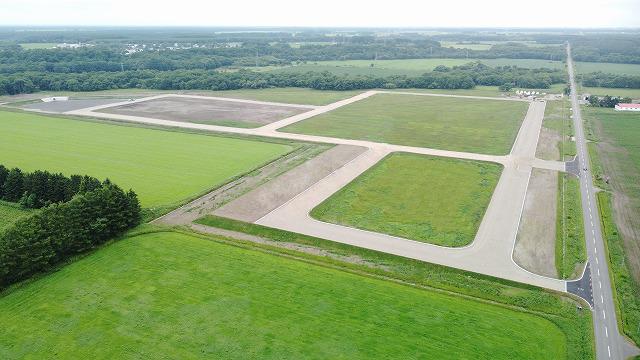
[(324, 13)]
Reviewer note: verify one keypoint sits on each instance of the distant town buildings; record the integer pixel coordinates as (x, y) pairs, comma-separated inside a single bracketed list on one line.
[(628, 107)]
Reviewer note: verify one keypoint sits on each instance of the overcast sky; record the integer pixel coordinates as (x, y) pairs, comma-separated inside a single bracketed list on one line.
[(395, 13)]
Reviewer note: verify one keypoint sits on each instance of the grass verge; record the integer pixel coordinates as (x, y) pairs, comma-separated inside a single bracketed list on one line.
[(626, 294), (570, 244)]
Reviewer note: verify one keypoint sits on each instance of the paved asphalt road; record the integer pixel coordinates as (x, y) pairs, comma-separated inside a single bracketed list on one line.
[(610, 344)]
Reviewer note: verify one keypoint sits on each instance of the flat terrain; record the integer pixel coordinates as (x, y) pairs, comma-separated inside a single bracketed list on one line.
[(207, 111), (409, 67), (163, 167), (435, 200), (69, 105), (9, 213), (536, 240), (260, 201), (237, 304), (288, 95), (632, 93), (612, 68), (472, 125), (33, 46)]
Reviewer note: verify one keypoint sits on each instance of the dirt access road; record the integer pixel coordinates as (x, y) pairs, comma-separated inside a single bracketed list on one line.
[(492, 250)]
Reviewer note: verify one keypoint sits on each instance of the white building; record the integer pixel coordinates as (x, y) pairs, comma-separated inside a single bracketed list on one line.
[(628, 107)]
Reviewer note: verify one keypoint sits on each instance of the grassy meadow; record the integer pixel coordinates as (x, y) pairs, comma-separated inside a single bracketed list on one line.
[(472, 125), (435, 200), (163, 167), (288, 95), (234, 303), (10, 212), (408, 67)]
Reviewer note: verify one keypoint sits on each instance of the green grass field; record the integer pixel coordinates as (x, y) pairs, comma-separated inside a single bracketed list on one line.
[(409, 67), (617, 155), (33, 46), (288, 95), (435, 200), (9, 213), (163, 167), (171, 295), (612, 68), (632, 93), (473, 125), (571, 253)]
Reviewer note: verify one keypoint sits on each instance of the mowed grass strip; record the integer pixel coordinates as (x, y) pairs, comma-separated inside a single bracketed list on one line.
[(435, 200), (163, 167), (172, 295), (471, 125)]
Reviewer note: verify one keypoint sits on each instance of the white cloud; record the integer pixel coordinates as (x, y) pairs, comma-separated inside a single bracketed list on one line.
[(409, 13)]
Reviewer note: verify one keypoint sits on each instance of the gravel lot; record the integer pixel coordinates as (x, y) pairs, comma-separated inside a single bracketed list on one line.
[(208, 111)]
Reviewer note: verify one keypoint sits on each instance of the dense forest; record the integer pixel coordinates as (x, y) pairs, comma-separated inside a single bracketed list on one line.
[(186, 58), (79, 214), (442, 77)]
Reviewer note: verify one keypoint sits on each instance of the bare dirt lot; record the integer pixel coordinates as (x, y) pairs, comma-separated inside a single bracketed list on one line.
[(548, 144), (69, 105), (208, 111), (535, 244), (260, 201)]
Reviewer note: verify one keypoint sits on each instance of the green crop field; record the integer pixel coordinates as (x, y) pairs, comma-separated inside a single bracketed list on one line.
[(473, 125), (612, 68), (163, 167), (234, 303), (409, 67), (32, 46), (288, 95), (11, 212), (435, 200), (632, 93)]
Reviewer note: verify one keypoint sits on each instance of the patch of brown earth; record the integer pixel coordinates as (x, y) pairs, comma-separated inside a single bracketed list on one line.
[(262, 200), (535, 243), (548, 144)]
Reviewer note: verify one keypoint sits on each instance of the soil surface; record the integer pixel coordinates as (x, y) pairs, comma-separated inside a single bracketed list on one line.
[(218, 197), (262, 200), (535, 244), (548, 145), (208, 111), (70, 105)]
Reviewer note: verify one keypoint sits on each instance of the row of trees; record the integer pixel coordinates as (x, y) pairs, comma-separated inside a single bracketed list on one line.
[(607, 101), (460, 77), (61, 230), (14, 59), (600, 79), (41, 188)]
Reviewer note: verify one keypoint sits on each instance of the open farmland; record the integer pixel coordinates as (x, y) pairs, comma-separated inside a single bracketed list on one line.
[(409, 67), (473, 125), (612, 68), (163, 167), (434, 200), (237, 304), (208, 111)]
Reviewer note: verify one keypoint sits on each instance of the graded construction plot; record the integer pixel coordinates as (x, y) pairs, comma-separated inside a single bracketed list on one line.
[(69, 105), (462, 124), (235, 303), (536, 241), (555, 137), (260, 201), (429, 199), (163, 167), (209, 111), (9, 213)]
